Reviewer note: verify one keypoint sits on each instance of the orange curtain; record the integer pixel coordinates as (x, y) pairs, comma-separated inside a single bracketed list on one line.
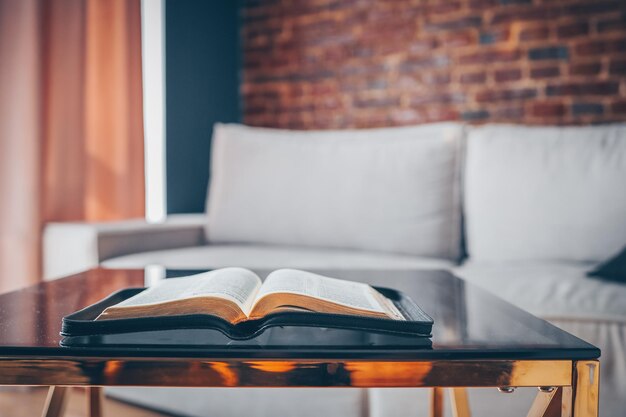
[(71, 129)]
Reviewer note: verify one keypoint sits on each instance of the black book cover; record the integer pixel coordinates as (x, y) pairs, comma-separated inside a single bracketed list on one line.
[(83, 323)]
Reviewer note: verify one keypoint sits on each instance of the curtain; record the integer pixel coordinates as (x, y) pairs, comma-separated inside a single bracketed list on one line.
[(71, 128)]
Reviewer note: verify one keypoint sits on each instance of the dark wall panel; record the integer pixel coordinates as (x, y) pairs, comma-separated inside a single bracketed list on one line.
[(202, 87)]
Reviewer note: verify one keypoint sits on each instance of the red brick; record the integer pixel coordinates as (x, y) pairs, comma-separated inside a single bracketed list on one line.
[(534, 33), (329, 103), (440, 114), (436, 78), (372, 119), (295, 108), (473, 78), (619, 107), (515, 113), (438, 98), (539, 12), (545, 72), (592, 7), (441, 7), (571, 30), (548, 109), (376, 102), (508, 75), (583, 88), (482, 4), (487, 57), (601, 47), (420, 63), (589, 68), (455, 24), (612, 25), (617, 67), (356, 85), (354, 70), (505, 95)]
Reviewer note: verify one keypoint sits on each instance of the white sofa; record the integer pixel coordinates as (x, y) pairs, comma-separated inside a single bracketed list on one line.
[(540, 207)]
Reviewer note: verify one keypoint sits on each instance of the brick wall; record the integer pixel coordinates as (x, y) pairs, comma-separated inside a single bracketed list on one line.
[(364, 63)]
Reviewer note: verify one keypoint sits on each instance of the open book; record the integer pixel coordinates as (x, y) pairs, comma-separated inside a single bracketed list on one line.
[(238, 295)]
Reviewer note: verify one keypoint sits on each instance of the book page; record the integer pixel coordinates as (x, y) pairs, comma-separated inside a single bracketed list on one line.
[(238, 285), (351, 294)]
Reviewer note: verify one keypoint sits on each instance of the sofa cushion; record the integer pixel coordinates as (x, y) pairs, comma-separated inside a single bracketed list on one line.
[(550, 290), (561, 293), (391, 190), (545, 193), (273, 257)]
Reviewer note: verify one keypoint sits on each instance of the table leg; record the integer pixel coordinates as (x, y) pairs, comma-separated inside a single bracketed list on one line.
[(566, 403), (436, 402), (547, 404), (585, 388), (460, 402), (55, 402), (96, 398)]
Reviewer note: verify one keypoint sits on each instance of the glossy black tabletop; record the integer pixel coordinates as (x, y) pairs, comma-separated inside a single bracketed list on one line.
[(470, 323)]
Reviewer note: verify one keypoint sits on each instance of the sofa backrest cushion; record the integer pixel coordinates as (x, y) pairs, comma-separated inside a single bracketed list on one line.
[(390, 189), (545, 193)]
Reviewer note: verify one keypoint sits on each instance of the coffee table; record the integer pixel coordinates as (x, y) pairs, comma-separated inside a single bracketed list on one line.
[(478, 341)]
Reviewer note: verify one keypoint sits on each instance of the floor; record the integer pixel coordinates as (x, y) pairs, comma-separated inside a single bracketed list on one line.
[(27, 401)]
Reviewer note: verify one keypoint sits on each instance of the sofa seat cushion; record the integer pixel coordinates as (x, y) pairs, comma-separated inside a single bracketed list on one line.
[(392, 190), (550, 290), (273, 257), (561, 293)]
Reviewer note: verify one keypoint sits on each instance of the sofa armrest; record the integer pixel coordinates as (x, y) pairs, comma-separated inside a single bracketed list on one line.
[(72, 247)]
